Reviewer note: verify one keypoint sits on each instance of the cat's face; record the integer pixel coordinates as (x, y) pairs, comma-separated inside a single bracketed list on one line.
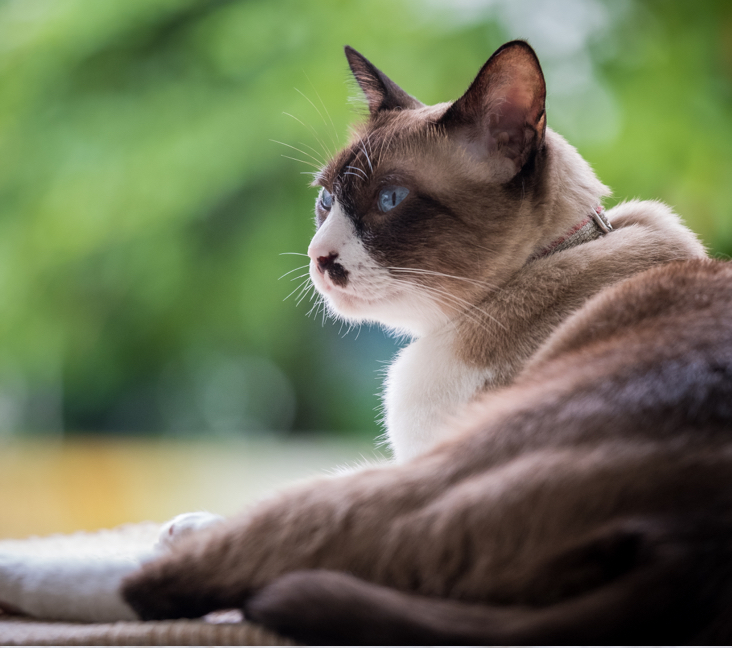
[(423, 211)]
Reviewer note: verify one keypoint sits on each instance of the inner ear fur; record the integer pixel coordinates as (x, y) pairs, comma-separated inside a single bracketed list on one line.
[(381, 92), (503, 110)]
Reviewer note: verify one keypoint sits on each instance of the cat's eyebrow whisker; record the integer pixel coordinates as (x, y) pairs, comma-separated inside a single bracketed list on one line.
[(311, 148), (365, 176), (294, 148), (293, 270), (361, 146), (325, 108), (365, 152), (316, 110), (303, 161), (328, 154), (353, 174), (386, 143)]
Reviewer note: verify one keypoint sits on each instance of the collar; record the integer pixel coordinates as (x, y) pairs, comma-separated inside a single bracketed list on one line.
[(592, 227)]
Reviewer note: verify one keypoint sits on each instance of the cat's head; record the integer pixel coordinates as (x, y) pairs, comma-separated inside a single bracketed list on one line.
[(428, 207)]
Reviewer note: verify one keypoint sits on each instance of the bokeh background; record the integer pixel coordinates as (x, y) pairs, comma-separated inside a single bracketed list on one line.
[(149, 204)]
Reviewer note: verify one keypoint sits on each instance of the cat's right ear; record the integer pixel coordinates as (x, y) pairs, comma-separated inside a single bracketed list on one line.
[(381, 92), (502, 114)]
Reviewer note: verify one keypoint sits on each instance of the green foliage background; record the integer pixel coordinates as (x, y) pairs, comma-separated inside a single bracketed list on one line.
[(144, 207)]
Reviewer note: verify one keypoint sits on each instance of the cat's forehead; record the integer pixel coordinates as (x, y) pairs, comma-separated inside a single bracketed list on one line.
[(384, 137)]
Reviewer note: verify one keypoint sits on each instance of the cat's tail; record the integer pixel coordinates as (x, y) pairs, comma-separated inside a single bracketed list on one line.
[(676, 592)]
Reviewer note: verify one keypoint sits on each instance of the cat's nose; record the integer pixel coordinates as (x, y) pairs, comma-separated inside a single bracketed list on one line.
[(326, 262)]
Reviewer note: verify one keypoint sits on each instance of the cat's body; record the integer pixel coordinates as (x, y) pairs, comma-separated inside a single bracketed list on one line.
[(586, 500), (436, 375), (590, 503)]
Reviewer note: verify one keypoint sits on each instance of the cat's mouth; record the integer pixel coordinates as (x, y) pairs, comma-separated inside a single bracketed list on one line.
[(338, 287)]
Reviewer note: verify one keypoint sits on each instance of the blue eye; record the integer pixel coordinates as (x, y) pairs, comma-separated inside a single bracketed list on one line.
[(390, 197), (326, 199)]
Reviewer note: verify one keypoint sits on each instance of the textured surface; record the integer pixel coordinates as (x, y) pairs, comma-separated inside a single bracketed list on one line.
[(223, 628), (22, 631)]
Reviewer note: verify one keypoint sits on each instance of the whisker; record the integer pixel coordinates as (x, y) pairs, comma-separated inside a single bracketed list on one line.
[(423, 271), (315, 305), (294, 148), (310, 147), (316, 110), (294, 291), (305, 294), (293, 270), (293, 253), (365, 152), (303, 291), (325, 108), (448, 298), (303, 161), (365, 176), (328, 154)]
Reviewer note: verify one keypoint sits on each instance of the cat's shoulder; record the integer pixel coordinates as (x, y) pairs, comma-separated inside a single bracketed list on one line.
[(644, 219)]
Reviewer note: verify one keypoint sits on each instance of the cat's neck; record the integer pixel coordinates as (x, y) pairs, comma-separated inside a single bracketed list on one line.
[(573, 192)]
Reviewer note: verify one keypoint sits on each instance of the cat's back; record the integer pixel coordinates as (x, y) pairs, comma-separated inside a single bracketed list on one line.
[(650, 357), (682, 308)]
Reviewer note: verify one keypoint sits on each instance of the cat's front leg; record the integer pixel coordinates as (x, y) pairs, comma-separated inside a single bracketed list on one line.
[(342, 523), (78, 577)]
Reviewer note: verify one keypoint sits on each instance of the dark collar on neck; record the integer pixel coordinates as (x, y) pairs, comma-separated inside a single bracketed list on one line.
[(592, 227)]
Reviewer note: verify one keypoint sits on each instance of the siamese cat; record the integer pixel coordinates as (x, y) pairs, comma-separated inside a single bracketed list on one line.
[(558, 421)]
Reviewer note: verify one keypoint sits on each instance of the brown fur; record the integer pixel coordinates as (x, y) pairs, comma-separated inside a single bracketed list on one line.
[(586, 502), (596, 488)]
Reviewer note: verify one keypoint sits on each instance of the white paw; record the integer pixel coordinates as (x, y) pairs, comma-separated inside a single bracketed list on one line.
[(73, 588), (183, 525)]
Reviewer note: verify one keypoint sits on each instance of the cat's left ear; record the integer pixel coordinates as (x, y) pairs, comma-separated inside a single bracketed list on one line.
[(381, 92), (503, 111)]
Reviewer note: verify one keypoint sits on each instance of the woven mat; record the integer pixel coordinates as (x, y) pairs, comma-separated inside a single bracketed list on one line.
[(221, 628), (23, 631)]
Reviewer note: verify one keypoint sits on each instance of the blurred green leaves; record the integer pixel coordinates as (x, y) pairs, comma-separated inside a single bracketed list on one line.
[(144, 207)]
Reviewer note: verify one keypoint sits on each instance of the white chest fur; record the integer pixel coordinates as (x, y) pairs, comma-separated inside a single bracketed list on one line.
[(426, 385)]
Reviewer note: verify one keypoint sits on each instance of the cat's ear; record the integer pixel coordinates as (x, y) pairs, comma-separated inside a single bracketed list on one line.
[(502, 113), (381, 92)]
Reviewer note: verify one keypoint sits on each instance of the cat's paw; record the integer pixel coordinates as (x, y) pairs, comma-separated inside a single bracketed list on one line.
[(66, 587), (182, 526)]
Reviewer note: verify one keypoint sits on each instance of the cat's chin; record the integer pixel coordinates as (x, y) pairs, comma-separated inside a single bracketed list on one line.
[(392, 313), (349, 307)]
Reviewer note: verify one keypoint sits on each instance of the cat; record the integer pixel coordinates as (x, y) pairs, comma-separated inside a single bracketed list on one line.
[(479, 232), (588, 503), (446, 223)]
